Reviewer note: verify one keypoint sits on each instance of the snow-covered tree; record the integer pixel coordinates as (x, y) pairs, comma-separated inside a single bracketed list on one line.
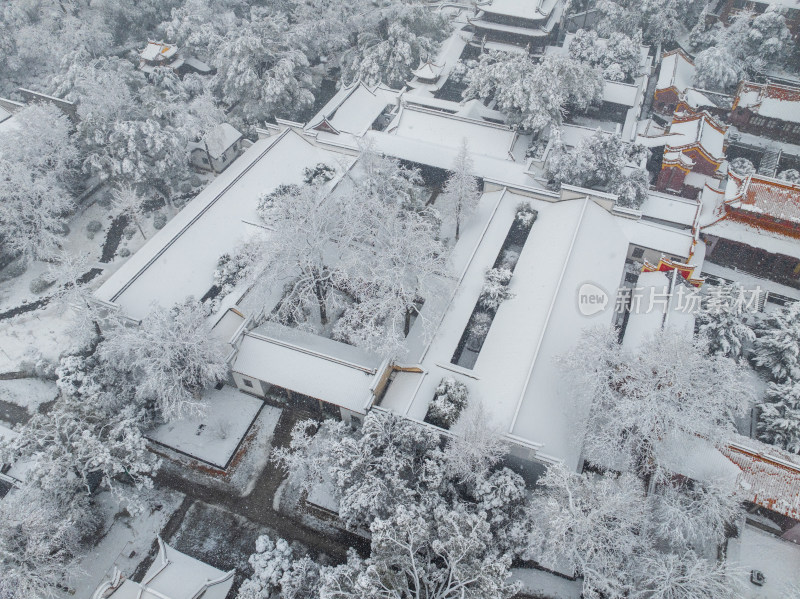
[(590, 523), (776, 348), (637, 399), (37, 159), (534, 95), (461, 191), (685, 576), (259, 74), (495, 289), (438, 553), (618, 56), (660, 21), (172, 355), (389, 48), (477, 445), (81, 443), (779, 418), (600, 161), (449, 401), (275, 569), (791, 175), (401, 264), (721, 320), (33, 211), (129, 203), (38, 544), (631, 188), (305, 252), (742, 166), (744, 48), (716, 69)]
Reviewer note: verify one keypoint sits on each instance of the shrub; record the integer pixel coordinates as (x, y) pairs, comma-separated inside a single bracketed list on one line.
[(479, 325), (448, 402), (742, 166), (123, 252), (94, 226), (13, 270), (129, 232), (159, 220), (525, 216), (321, 173), (42, 282), (791, 175), (495, 289)]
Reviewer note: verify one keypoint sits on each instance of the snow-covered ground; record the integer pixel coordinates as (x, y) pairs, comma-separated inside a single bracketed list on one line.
[(247, 465), (125, 542), (779, 561), (45, 331), (539, 583), (28, 393), (213, 435)]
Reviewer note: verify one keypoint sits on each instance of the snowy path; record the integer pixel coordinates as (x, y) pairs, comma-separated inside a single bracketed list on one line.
[(257, 506)]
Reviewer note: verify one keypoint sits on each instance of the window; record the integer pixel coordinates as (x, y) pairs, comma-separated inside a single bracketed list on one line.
[(248, 383), (638, 252)]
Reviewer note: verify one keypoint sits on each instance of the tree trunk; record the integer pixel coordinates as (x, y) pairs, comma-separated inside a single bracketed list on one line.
[(407, 323), (323, 311), (139, 226)]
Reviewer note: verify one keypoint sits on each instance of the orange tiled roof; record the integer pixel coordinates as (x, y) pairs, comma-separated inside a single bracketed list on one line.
[(767, 480), (770, 197)]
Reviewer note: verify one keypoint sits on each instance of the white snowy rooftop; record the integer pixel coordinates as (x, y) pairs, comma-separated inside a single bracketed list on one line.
[(677, 70), (220, 138), (429, 126), (180, 259), (573, 241), (156, 51), (353, 109), (305, 363), (658, 308), (770, 100), (700, 129), (173, 575), (522, 9)]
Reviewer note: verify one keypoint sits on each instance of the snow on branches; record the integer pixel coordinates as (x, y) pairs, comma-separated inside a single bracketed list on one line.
[(534, 95)]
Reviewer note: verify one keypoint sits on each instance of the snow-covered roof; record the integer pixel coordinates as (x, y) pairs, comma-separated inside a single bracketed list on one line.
[(180, 259), (433, 127), (770, 100), (220, 138), (173, 575), (573, 241), (4, 114), (696, 458), (768, 478), (670, 208), (428, 70), (677, 70), (620, 93), (760, 195), (471, 109), (305, 363), (658, 309), (699, 129), (158, 51), (448, 55), (521, 9), (769, 241), (353, 109)]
